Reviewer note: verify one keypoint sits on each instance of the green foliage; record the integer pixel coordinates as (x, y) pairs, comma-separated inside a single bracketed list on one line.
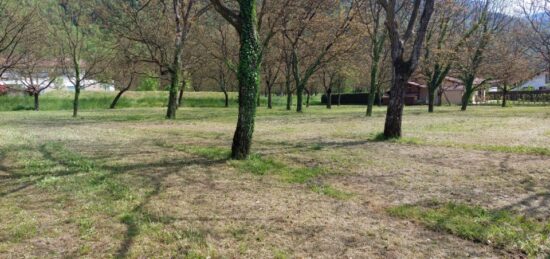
[(501, 229), (148, 84)]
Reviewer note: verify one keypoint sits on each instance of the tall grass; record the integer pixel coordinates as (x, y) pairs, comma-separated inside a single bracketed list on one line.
[(62, 100)]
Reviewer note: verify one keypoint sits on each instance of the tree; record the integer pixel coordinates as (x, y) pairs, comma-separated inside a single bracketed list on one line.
[(308, 56), (403, 67), (373, 20), (183, 14), (245, 22), (510, 62), (440, 47), (161, 28), (537, 13), (125, 71), (37, 75), (491, 21), (16, 29), (84, 47)]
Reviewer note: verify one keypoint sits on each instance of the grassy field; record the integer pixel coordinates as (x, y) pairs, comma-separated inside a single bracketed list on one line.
[(127, 183), (62, 100)]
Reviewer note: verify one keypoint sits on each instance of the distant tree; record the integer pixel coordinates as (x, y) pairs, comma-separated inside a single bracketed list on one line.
[(313, 34), (403, 66), (372, 19), (17, 27), (537, 13), (162, 30), (84, 46), (510, 62), (37, 75), (473, 52)]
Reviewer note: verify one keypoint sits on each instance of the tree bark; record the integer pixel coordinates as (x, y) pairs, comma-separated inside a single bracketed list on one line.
[(36, 102), (226, 96), (248, 75), (173, 96), (431, 100), (466, 100), (372, 92), (308, 93), (76, 101), (299, 97), (504, 99), (117, 98), (394, 113), (180, 98), (269, 98), (175, 69), (328, 93)]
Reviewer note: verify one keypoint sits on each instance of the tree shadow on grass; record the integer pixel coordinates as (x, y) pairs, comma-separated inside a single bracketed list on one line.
[(54, 157), (536, 205)]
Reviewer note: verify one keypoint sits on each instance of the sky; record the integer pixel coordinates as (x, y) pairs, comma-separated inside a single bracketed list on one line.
[(515, 5)]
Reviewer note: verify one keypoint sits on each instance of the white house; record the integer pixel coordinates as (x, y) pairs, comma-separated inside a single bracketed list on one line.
[(63, 82), (540, 81)]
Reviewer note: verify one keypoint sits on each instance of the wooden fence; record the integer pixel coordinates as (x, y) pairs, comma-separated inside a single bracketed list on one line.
[(541, 97)]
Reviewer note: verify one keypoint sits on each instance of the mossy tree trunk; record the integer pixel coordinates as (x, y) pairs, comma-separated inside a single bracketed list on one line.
[(248, 75), (248, 72)]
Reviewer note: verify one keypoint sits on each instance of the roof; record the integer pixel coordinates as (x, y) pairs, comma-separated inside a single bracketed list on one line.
[(416, 84)]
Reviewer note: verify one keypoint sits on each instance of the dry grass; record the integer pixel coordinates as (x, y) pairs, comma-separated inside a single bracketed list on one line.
[(127, 183)]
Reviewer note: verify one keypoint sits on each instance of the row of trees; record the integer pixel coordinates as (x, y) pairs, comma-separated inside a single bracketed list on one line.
[(293, 47)]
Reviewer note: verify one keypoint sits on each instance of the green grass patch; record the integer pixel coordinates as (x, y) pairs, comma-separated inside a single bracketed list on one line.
[(262, 166), (62, 100), (501, 229), (332, 192), (214, 153), (528, 150)]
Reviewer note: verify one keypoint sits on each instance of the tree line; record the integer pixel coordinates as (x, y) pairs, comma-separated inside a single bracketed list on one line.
[(287, 47)]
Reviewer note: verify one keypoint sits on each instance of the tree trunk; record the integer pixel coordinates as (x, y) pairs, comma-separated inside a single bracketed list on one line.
[(226, 96), (394, 114), (180, 98), (36, 103), (269, 98), (288, 96), (329, 99), (175, 70), (431, 100), (504, 93), (308, 95), (173, 96), (466, 100), (76, 101), (248, 75), (289, 101), (372, 94), (117, 98), (299, 97)]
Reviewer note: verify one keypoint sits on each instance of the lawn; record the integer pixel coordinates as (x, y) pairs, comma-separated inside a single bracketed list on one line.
[(322, 184)]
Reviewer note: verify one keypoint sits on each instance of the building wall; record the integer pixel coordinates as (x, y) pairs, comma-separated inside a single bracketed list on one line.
[(537, 82), (453, 97)]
